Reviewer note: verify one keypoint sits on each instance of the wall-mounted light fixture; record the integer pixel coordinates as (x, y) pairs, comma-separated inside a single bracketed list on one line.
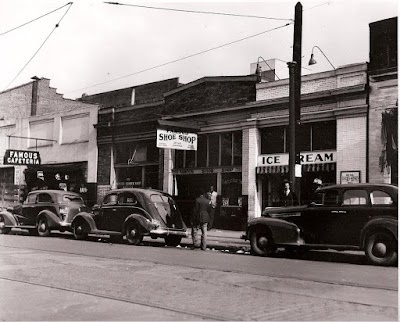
[(312, 61)]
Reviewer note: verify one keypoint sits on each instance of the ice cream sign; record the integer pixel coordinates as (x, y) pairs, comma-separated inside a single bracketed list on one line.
[(176, 140)]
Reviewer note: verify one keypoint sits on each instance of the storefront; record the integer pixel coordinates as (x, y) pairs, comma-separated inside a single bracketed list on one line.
[(217, 163), (61, 176)]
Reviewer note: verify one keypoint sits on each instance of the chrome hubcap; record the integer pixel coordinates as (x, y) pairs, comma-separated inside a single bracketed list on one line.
[(263, 241), (379, 249)]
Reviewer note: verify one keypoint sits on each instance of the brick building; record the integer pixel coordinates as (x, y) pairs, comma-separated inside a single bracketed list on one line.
[(383, 102), (35, 118)]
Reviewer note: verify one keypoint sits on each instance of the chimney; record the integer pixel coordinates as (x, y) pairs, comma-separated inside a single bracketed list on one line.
[(271, 70), (34, 95)]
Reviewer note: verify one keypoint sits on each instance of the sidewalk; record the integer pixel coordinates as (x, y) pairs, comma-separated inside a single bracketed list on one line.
[(221, 240)]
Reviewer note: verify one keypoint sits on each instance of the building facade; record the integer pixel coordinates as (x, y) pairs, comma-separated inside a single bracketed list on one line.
[(46, 141), (383, 102)]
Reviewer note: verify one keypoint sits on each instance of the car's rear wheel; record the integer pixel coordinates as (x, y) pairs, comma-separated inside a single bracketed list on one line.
[(173, 240), (3, 229), (381, 248), (80, 230), (133, 233), (261, 242), (43, 228)]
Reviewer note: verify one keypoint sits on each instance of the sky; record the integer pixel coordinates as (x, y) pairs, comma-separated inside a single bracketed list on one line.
[(100, 47)]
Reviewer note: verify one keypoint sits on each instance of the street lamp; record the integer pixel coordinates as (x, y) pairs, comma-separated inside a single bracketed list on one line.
[(312, 61)]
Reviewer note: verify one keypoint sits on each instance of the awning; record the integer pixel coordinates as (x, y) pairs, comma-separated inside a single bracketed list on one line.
[(315, 167)]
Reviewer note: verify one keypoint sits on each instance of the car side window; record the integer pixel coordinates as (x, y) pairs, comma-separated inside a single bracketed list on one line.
[(110, 199), (355, 197), (44, 198), (127, 198), (330, 198), (31, 198), (380, 198)]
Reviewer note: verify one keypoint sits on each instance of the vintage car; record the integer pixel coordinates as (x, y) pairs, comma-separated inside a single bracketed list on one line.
[(133, 213), (345, 217), (42, 212)]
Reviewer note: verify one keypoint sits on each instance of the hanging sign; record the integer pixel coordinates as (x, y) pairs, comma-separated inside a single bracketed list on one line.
[(19, 157), (176, 140)]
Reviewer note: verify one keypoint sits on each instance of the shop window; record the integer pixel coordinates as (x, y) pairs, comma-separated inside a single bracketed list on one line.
[(7, 175), (129, 177), (42, 130), (237, 148), (226, 149), (75, 128), (213, 150), (136, 152), (190, 159), (202, 151), (179, 158), (303, 137), (323, 135), (231, 189), (273, 140)]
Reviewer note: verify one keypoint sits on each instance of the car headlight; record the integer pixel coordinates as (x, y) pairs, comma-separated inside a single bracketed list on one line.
[(155, 222)]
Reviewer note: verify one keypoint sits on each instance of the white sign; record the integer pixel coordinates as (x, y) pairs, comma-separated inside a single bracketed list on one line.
[(347, 177), (176, 140), (305, 158)]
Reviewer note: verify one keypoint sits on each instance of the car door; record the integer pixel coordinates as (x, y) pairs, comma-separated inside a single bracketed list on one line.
[(127, 205), (27, 215), (44, 201), (317, 219), (108, 208), (352, 214)]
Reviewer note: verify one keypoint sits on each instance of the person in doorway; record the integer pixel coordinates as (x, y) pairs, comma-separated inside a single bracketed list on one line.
[(314, 196), (288, 197), (200, 219), (213, 201)]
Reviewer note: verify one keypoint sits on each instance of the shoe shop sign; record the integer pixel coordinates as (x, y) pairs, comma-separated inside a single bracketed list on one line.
[(19, 157), (176, 140)]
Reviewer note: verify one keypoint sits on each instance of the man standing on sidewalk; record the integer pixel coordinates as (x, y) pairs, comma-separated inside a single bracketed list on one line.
[(200, 218), (213, 199)]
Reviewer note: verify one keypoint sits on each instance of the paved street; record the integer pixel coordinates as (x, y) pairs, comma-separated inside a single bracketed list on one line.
[(58, 278)]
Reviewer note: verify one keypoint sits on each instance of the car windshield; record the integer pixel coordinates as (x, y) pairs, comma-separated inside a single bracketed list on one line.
[(165, 206), (73, 198)]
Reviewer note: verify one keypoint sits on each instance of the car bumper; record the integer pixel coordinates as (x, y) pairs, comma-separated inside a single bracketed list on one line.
[(163, 232)]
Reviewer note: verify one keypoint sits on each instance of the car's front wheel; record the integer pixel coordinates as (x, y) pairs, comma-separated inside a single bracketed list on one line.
[(381, 248), (173, 240), (43, 228), (79, 229), (3, 229), (133, 234), (261, 242)]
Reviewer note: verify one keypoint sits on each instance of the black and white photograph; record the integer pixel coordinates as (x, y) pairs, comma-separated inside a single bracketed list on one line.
[(205, 160)]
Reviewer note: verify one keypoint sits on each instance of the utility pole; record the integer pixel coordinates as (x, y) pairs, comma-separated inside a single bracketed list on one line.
[(295, 102)]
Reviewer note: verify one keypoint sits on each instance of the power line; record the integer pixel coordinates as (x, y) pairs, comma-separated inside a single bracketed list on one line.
[(197, 11), (182, 58), (26, 23), (56, 26)]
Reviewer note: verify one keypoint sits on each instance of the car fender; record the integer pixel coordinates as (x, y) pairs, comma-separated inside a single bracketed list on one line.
[(283, 232), (386, 223), (52, 219), (88, 218), (145, 223), (9, 218)]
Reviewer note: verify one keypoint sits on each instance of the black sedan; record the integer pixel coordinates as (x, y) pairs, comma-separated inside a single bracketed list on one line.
[(42, 212), (133, 213), (354, 216)]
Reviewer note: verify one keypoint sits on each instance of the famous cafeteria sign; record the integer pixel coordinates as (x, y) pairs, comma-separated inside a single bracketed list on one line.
[(176, 140), (18, 157)]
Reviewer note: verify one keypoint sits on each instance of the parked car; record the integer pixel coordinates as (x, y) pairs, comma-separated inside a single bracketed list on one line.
[(133, 213), (353, 216), (42, 212)]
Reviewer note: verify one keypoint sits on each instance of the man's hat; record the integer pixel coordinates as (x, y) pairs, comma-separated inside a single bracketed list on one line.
[(318, 181)]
